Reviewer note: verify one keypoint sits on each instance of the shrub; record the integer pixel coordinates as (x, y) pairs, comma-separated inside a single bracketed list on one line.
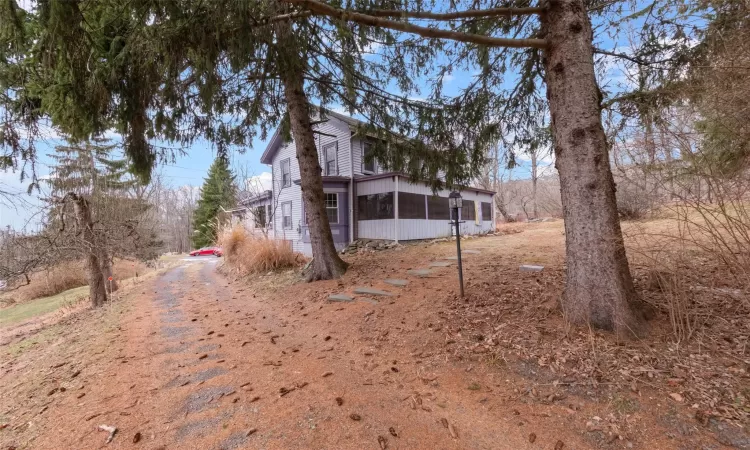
[(249, 253)]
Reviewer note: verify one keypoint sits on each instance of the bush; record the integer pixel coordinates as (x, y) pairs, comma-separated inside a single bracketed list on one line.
[(249, 253)]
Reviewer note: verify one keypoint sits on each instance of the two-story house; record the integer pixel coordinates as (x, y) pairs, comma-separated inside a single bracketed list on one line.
[(362, 200)]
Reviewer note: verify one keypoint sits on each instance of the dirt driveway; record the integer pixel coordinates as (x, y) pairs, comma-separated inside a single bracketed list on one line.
[(190, 360)]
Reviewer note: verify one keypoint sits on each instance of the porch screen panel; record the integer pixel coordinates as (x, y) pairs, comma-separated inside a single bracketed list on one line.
[(437, 208), (486, 211), (376, 206), (468, 211), (411, 206)]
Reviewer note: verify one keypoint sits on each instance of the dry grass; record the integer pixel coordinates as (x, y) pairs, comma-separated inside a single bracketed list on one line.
[(65, 276), (248, 254)]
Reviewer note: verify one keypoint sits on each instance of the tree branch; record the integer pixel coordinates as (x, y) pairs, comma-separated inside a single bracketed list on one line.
[(633, 59), (323, 9), (289, 16), (492, 12)]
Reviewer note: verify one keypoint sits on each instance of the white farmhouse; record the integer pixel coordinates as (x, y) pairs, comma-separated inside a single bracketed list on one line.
[(362, 200)]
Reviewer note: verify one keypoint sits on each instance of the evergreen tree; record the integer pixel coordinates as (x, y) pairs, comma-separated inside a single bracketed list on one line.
[(190, 62), (177, 70), (218, 191)]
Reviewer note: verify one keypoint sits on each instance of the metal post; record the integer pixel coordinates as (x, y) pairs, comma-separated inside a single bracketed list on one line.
[(458, 249)]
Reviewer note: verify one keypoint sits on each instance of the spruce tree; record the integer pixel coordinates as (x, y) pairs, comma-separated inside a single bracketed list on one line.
[(218, 191), (226, 71), (190, 62)]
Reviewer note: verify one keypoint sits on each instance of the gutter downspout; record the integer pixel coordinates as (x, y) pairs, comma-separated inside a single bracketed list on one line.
[(395, 203), (351, 186)]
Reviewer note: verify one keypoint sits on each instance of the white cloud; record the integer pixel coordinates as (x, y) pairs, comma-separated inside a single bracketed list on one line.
[(448, 77), (259, 183)]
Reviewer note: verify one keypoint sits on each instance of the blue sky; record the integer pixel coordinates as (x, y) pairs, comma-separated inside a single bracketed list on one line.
[(191, 168)]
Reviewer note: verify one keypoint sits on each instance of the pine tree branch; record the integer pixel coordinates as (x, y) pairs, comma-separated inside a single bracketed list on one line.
[(289, 16), (320, 8), (633, 59), (492, 12)]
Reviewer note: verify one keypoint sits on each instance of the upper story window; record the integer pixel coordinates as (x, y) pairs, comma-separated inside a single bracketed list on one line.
[(286, 173), (330, 156), (368, 166)]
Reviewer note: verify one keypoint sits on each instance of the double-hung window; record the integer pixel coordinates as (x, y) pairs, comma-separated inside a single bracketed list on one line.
[(286, 215), (286, 173), (330, 153), (368, 163), (332, 208)]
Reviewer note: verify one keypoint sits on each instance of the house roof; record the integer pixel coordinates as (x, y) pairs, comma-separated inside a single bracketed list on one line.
[(250, 198), (275, 142)]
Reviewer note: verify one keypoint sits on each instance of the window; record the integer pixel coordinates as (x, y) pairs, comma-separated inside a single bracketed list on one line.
[(286, 215), (330, 154), (259, 214), (411, 206), (332, 208), (367, 150), (486, 211), (375, 206), (269, 217), (286, 173), (437, 208), (468, 212)]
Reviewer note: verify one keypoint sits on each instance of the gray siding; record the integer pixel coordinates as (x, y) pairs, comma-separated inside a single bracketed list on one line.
[(358, 160), (333, 127)]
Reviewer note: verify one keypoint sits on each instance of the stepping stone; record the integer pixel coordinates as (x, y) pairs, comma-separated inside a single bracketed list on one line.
[(451, 258), (396, 282), (471, 252), (440, 264), (420, 272), (371, 291), (531, 268), (340, 298)]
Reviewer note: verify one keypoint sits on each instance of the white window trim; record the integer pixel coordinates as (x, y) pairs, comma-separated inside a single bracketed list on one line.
[(281, 167), (338, 212), (374, 163), (283, 215), (326, 148)]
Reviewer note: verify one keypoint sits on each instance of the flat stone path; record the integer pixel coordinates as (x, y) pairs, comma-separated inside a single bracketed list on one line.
[(371, 291), (420, 272), (531, 268), (339, 298)]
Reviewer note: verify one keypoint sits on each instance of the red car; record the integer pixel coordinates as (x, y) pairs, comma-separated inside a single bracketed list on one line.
[(205, 251)]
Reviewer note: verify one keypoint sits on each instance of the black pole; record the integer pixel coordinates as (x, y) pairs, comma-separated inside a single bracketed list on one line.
[(458, 249)]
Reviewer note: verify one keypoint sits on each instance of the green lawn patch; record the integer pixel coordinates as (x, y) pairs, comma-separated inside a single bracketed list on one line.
[(40, 306)]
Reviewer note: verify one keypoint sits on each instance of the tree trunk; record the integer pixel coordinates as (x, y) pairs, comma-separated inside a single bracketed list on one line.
[(534, 179), (97, 292), (326, 263), (106, 266), (599, 288)]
